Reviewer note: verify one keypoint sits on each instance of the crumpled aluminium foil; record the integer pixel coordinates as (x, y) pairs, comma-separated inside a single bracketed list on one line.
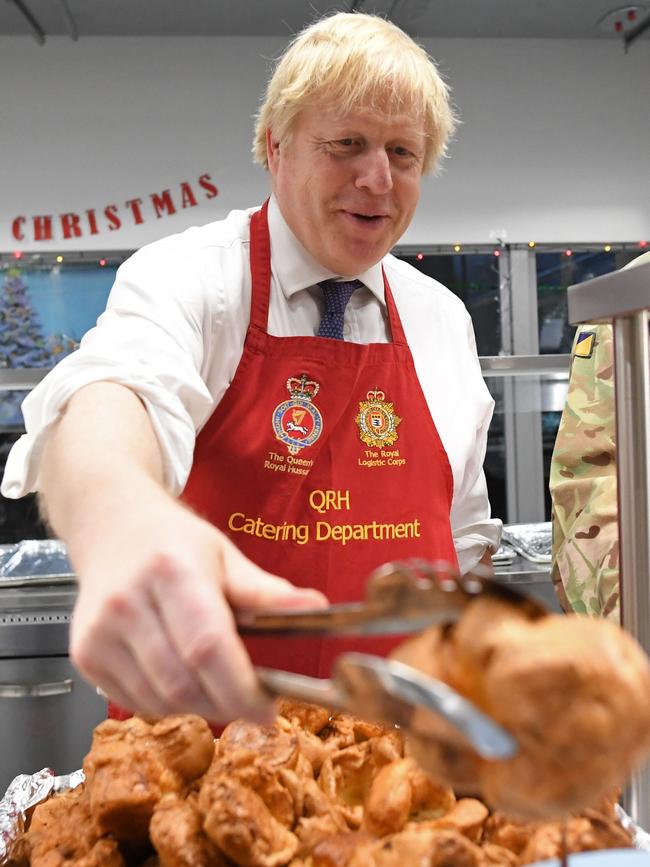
[(24, 792), (504, 555), (640, 838), (532, 541), (34, 558)]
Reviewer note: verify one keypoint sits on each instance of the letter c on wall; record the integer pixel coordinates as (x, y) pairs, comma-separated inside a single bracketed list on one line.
[(17, 228)]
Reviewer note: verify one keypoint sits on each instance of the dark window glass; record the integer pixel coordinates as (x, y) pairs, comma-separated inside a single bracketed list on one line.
[(44, 312), (510, 411), (475, 279), (19, 519), (555, 273), (11, 418), (494, 465), (550, 425)]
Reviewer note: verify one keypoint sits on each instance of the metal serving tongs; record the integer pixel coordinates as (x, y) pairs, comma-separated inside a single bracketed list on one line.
[(400, 598)]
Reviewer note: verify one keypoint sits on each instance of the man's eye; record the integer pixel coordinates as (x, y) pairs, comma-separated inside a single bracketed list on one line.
[(402, 151), (344, 146)]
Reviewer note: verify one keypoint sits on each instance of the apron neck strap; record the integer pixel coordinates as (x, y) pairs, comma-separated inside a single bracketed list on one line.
[(260, 259), (396, 329)]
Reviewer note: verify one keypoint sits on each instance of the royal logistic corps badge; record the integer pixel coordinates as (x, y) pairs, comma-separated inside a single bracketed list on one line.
[(297, 422), (377, 420)]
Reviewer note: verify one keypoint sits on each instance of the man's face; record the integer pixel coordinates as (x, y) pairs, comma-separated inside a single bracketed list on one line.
[(348, 185)]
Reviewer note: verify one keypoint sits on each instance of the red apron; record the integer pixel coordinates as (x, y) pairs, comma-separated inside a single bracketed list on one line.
[(322, 462)]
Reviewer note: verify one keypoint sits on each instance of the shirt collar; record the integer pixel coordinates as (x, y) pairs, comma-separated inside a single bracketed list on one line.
[(294, 268)]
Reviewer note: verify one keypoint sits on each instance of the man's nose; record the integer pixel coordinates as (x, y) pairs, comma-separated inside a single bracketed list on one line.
[(374, 172)]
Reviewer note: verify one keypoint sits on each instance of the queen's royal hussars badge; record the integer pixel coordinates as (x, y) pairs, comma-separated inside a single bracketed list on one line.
[(377, 420), (297, 422)]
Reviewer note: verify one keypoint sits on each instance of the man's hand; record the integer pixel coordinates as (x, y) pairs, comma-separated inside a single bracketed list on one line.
[(485, 567), (153, 625)]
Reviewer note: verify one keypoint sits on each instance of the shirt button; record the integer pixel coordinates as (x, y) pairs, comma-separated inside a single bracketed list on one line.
[(346, 330)]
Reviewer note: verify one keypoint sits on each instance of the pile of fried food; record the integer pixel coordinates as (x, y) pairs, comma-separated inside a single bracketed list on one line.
[(314, 790)]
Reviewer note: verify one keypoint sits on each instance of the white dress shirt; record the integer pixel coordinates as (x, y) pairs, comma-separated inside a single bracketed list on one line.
[(174, 328)]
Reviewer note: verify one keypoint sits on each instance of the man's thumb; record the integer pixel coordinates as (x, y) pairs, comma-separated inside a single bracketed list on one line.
[(248, 586)]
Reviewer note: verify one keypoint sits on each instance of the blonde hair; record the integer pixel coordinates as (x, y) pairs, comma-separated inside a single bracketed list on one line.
[(354, 60)]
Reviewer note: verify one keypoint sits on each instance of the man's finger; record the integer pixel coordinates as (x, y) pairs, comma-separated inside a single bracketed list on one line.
[(202, 629), (120, 678), (178, 688)]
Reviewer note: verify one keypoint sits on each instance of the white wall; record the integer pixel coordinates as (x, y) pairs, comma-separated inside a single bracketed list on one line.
[(553, 146)]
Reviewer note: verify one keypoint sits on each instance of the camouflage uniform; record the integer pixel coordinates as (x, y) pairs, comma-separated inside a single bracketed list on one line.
[(583, 480), (583, 483)]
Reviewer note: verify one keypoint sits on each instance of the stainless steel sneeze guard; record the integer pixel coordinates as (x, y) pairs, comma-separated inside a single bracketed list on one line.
[(623, 299), (507, 365), (21, 378)]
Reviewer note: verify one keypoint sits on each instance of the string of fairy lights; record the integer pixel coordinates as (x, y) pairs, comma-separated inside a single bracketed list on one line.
[(568, 250), (101, 259), (23, 259)]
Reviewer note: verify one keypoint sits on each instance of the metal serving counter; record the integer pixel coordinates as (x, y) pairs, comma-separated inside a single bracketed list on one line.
[(535, 578)]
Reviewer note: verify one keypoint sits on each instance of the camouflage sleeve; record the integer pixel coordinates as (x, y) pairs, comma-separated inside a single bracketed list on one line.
[(583, 482)]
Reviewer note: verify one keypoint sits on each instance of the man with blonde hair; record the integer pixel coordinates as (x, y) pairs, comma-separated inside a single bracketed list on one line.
[(270, 395)]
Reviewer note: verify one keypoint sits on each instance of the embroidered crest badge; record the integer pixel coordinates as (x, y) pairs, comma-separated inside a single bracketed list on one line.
[(377, 420), (297, 422)]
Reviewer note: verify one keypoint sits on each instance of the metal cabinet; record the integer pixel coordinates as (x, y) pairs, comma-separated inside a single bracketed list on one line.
[(47, 712)]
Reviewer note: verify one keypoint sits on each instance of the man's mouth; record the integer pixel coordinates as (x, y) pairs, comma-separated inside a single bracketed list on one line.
[(366, 218)]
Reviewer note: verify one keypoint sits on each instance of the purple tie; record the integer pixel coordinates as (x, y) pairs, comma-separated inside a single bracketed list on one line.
[(336, 293)]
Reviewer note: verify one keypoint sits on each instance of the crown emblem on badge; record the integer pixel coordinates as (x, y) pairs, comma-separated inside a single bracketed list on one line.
[(377, 420), (297, 422), (302, 388)]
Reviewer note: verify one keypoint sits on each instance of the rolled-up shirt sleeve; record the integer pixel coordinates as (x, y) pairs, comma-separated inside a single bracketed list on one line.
[(151, 340)]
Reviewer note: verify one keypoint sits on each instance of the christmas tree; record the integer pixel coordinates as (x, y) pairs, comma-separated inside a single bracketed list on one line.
[(22, 342)]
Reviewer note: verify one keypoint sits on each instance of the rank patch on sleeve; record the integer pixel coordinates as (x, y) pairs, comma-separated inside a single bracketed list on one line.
[(585, 344)]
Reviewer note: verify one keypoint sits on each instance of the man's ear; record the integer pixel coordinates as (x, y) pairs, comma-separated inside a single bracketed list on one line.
[(272, 151)]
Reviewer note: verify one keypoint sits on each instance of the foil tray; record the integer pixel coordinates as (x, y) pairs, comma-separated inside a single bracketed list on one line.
[(532, 541)]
